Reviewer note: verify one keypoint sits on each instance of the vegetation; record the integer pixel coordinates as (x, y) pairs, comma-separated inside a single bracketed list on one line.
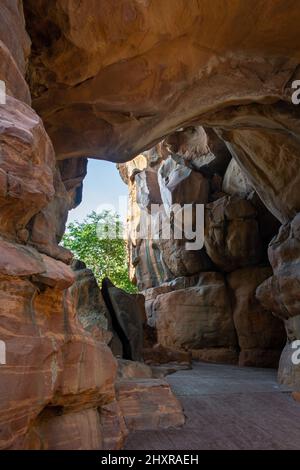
[(92, 242)]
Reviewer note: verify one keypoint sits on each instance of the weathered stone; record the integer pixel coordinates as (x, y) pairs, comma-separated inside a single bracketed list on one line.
[(132, 369), (150, 268), (13, 33), (28, 161), (232, 238), (160, 354), (89, 304), (201, 150), (261, 336), (48, 226), (10, 74), (128, 316), (148, 191), (218, 355), (181, 185), (113, 426), (80, 430), (149, 404), (235, 182), (112, 90), (260, 133), (198, 317), (73, 172), (183, 262), (296, 396), (51, 362), (56, 274), (151, 294), (280, 292), (18, 260), (288, 372)]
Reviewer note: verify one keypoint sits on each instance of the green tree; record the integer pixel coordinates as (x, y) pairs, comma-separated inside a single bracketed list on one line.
[(104, 255)]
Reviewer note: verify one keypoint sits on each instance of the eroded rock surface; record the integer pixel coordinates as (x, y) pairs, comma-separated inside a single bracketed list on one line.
[(261, 336), (110, 83), (280, 292), (197, 317)]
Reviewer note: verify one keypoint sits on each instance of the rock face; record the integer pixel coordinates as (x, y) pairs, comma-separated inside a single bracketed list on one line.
[(280, 292), (212, 315), (128, 316), (57, 388), (197, 317), (232, 238), (181, 79), (200, 149), (85, 78), (235, 182), (179, 183), (89, 304), (149, 404), (52, 365), (27, 168), (261, 336)]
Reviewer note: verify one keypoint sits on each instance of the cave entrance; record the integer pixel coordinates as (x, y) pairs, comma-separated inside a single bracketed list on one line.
[(199, 303)]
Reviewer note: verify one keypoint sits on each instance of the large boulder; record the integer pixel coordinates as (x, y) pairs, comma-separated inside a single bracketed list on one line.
[(235, 182), (280, 292), (27, 168), (200, 149), (261, 336), (232, 238), (57, 376), (198, 317), (151, 294), (128, 317), (89, 304), (148, 191), (181, 185), (73, 172), (148, 404)]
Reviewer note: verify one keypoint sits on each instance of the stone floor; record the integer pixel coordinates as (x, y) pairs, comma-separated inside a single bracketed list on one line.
[(227, 407)]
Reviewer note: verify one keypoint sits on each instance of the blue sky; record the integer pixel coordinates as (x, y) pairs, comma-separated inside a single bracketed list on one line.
[(101, 189)]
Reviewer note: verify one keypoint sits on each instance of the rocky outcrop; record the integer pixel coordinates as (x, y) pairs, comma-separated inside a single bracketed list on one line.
[(280, 292), (149, 404), (232, 238), (127, 312), (197, 317), (178, 183), (261, 336), (170, 66), (200, 149), (56, 375), (89, 304), (113, 89), (235, 182), (151, 294), (14, 50), (212, 315)]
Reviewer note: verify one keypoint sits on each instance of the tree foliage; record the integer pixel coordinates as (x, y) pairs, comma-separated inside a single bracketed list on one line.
[(105, 256)]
